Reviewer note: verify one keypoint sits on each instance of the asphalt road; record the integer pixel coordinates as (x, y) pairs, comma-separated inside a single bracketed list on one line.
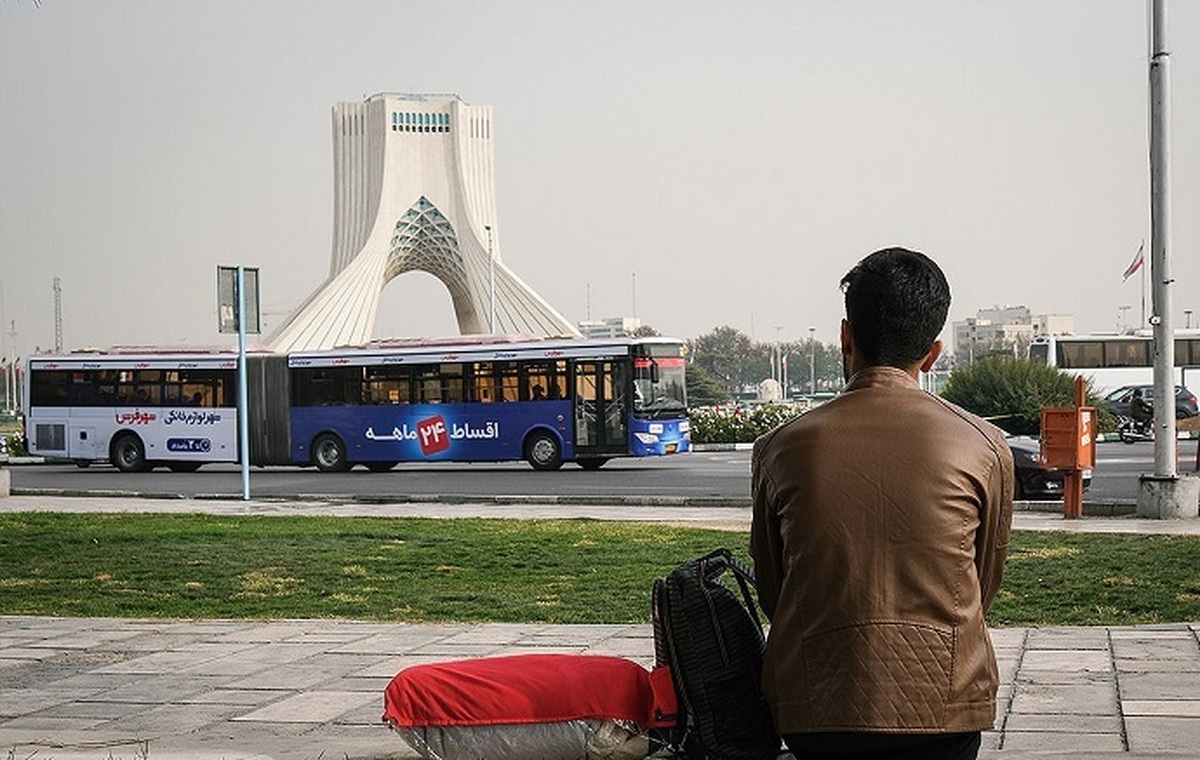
[(717, 475)]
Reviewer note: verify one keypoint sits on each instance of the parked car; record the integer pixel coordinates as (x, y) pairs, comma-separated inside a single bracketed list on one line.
[(1118, 401), (1034, 480)]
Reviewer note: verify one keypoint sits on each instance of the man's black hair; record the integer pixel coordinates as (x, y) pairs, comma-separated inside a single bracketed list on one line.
[(896, 303)]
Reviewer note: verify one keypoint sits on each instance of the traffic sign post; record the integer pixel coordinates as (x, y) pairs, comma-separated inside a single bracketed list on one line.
[(237, 311)]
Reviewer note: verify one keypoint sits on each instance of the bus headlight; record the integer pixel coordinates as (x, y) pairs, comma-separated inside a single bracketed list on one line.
[(647, 438)]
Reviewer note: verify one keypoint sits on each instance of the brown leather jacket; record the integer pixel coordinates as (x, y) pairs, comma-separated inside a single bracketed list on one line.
[(881, 524)]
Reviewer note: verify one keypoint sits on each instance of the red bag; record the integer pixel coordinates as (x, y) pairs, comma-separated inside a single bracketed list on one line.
[(527, 706)]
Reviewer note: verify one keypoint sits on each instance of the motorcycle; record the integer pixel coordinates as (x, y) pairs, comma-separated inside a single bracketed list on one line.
[(1132, 431)]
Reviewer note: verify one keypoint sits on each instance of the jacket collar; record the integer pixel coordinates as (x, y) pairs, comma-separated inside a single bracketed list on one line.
[(881, 376)]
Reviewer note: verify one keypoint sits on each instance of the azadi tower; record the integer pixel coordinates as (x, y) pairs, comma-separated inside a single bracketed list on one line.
[(414, 189)]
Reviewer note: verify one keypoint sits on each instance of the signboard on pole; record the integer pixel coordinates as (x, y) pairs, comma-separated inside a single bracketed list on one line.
[(227, 300)]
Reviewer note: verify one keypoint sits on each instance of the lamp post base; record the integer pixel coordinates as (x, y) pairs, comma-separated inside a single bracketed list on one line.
[(1168, 498)]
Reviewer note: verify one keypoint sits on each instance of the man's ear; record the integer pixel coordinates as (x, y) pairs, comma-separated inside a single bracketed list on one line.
[(847, 338), (930, 358)]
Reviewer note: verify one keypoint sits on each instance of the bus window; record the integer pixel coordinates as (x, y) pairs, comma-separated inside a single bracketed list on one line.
[(1126, 353), (1187, 352), (510, 383), (48, 388), (386, 385), (208, 388), (483, 383), (558, 380), (327, 386), (586, 393), (1076, 355), (147, 386), (537, 381), (545, 380), (453, 384), (429, 385), (616, 380)]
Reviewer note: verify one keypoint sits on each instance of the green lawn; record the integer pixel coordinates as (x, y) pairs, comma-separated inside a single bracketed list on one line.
[(562, 571)]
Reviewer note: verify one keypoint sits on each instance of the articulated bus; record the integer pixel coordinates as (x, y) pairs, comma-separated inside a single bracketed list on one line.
[(485, 400), (1113, 361)]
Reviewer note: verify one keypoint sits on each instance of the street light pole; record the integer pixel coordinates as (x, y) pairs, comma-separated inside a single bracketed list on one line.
[(491, 282), (1160, 244), (812, 363)]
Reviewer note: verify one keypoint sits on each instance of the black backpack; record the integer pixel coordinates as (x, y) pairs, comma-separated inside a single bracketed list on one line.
[(712, 641)]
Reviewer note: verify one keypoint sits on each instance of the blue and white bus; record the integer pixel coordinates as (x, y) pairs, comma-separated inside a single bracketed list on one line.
[(544, 401), (463, 399)]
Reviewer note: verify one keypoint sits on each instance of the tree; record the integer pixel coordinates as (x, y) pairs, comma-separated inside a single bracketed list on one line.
[(645, 331), (725, 353), (703, 389), (1011, 392), (827, 365)]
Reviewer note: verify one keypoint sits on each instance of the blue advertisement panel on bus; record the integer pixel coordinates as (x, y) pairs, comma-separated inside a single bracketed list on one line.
[(433, 432)]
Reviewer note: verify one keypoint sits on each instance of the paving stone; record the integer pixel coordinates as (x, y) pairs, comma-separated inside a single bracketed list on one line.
[(18, 702), (173, 660), (1178, 708), (157, 689), (1140, 686), (402, 641), (236, 697), (1163, 734), (1067, 638), (1008, 638), (175, 720), (310, 707), (1075, 743), (106, 710), (1067, 660), (1175, 648), (1088, 724), (49, 726), (445, 650), (1064, 699), (245, 661)]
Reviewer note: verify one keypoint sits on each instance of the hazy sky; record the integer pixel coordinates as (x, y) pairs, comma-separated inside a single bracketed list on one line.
[(731, 159)]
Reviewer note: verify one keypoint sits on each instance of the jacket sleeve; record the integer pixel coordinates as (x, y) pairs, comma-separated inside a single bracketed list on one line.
[(766, 545), (995, 525)]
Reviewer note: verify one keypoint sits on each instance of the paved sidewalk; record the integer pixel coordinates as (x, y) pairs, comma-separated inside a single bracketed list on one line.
[(109, 689), (93, 689)]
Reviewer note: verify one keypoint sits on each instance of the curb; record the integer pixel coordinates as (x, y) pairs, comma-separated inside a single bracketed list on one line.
[(1092, 508)]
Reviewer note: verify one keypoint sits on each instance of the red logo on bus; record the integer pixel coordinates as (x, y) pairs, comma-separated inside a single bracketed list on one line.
[(433, 435)]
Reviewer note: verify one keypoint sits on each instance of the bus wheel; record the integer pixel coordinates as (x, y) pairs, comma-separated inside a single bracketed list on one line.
[(128, 454), (329, 453), (542, 451), (592, 463), (381, 466), (183, 466)]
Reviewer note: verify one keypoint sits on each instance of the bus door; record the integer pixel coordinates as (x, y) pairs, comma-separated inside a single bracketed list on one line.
[(601, 408)]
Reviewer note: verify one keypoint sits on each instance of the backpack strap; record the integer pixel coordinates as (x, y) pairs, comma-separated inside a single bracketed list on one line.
[(716, 562)]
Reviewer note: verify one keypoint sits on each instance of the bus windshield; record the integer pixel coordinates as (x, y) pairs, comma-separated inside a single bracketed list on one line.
[(658, 387)]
